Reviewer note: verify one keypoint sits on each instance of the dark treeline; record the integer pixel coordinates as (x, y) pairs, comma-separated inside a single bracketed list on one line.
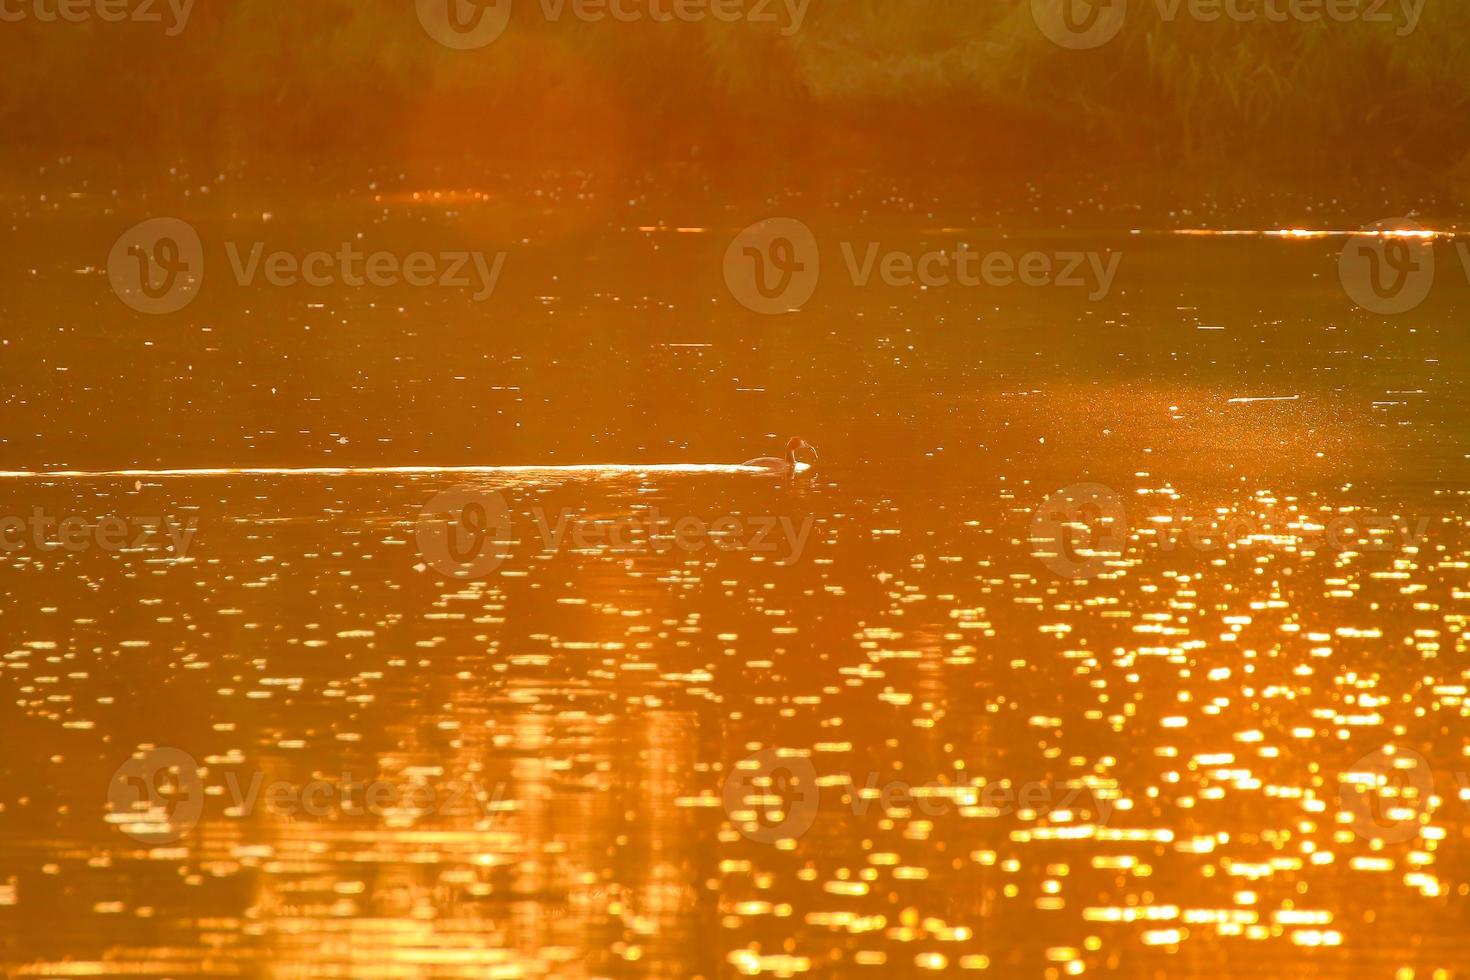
[(919, 81)]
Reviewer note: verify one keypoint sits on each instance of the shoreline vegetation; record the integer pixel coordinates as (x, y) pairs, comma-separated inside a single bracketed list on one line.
[(941, 85)]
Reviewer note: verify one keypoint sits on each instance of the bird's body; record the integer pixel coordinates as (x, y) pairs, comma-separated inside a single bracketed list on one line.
[(787, 465), (777, 465)]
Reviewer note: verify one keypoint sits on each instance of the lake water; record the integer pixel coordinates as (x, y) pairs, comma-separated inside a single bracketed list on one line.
[(1114, 634)]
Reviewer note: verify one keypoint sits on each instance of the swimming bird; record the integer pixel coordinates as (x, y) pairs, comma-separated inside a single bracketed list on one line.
[(789, 464)]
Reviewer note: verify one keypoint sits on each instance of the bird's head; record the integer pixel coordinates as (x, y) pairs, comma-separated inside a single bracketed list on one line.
[(797, 442)]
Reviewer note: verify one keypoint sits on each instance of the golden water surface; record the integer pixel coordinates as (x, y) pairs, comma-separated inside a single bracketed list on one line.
[(897, 741)]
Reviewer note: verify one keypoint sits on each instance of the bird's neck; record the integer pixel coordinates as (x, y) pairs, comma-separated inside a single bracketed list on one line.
[(791, 458)]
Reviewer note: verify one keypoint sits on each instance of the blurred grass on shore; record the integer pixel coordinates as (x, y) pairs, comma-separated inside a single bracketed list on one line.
[(920, 83)]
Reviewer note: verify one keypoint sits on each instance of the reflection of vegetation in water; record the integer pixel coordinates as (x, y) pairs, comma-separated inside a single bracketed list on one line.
[(974, 75)]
